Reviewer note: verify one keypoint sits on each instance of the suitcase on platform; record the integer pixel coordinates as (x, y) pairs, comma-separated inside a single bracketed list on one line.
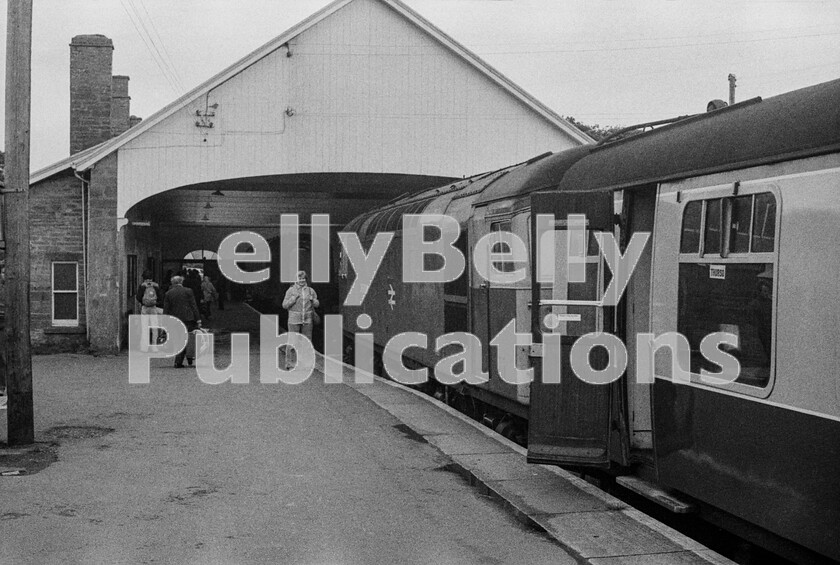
[(190, 352)]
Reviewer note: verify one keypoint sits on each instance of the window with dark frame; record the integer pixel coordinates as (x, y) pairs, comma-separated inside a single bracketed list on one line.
[(727, 285), (65, 293), (691, 227)]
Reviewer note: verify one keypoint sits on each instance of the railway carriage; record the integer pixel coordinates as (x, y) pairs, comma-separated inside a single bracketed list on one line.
[(742, 208)]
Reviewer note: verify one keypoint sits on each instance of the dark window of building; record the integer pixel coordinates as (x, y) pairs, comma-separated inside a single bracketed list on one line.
[(131, 273), (65, 293)]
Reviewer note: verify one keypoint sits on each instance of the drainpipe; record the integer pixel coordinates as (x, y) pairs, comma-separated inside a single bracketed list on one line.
[(84, 250)]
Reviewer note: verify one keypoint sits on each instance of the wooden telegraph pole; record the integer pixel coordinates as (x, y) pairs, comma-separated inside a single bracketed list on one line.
[(21, 425)]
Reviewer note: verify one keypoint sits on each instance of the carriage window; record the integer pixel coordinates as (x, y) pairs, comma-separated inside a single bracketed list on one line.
[(739, 224), (713, 217), (723, 293), (502, 247), (735, 298), (690, 240), (764, 223)]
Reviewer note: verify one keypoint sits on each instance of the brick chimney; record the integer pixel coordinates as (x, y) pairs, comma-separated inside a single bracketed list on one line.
[(120, 102), (91, 59)]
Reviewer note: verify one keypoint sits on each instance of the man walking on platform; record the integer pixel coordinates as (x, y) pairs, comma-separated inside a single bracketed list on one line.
[(180, 302), (150, 297)]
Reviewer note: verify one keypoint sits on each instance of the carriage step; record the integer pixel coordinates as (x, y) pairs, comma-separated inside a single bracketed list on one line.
[(656, 494)]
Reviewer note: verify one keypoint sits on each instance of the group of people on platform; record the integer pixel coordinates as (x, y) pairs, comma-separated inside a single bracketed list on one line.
[(189, 297), (205, 292)]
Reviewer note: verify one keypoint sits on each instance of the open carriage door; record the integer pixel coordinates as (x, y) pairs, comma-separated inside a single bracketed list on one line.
[(569, 421)]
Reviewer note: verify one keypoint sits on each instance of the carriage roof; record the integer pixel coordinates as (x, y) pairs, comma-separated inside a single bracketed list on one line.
[(798, 124)]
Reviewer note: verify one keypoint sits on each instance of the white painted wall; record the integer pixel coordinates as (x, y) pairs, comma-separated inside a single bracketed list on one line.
[(370, 92)]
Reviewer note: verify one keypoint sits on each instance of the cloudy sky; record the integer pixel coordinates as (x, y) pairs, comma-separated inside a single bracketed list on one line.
[(607, 62)]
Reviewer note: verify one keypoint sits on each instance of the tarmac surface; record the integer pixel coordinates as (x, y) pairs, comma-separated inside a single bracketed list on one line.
[(177, 471)]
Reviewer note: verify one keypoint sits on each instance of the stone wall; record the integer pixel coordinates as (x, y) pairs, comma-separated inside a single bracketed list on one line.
[(105, 256), (56, 234)]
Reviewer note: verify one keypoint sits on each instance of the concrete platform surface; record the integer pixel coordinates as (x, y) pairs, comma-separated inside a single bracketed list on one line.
[(241, 473), (592, 525)]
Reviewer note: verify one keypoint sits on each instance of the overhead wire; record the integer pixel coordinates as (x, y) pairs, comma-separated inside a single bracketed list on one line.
[(163, 69), (168, 57), (163, 59), (600, 40), (667, 46)]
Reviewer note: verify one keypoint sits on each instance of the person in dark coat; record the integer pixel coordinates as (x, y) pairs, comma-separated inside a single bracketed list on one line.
[(193, 282), (180, 302), (165, 284), (221, 288)]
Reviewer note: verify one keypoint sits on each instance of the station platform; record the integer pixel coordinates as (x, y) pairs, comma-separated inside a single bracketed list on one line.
[(184, 472), (590, 524)]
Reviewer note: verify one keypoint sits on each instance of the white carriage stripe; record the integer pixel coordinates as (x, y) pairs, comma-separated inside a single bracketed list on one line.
[(836, 418)]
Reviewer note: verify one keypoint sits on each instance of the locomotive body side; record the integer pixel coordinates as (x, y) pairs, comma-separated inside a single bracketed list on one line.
[(493, 202), (396, 306)]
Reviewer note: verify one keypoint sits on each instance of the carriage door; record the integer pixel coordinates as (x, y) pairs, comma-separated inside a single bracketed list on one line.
[(495, 306), (569, 421)]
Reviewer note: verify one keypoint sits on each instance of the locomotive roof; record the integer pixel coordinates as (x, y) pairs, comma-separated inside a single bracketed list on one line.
[(798, 124), (388, 217), (540, 173)]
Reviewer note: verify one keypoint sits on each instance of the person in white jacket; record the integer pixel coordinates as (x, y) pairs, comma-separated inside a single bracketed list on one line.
[(301, 301)]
